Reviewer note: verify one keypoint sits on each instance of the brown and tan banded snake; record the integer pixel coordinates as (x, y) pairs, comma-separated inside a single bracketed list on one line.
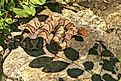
[(62, 27)]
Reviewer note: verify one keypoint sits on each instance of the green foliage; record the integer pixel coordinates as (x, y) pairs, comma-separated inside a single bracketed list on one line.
[(119, 58), (26, 11), (38, 2), (1, 3), (7, 5), (4, 23), (11, 5), (28, 8), (0, 14), (24, 8)]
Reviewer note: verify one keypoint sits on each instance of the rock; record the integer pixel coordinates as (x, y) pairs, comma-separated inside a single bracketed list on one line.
[(112, 37), (16, 67), (85, 19), (1, 48)]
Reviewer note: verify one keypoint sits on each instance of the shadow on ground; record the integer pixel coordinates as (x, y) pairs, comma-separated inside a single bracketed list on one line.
[(107, 62)]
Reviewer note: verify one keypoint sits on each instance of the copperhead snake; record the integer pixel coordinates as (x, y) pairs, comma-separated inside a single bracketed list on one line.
[(62, 27)]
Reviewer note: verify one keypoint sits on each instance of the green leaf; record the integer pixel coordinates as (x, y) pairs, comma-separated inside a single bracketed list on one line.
[(11, 5), (1, 27), (38, 2), (20, 12), (27, 9), (30, 10), (8, 20), (33, 11), (34, 1), (1, 3), (2, 23), (119, 58), (6, 1), (42, 1), (0, 14)]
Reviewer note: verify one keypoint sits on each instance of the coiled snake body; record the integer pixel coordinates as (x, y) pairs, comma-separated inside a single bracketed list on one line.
[(62, 27)]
